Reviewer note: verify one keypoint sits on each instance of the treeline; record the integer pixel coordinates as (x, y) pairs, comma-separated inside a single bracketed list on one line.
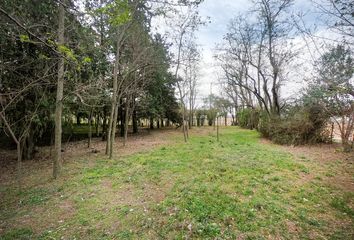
[(65, 59), (259, 56)]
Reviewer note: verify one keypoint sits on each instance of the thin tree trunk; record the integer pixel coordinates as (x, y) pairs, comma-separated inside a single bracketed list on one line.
[(217, 128), (90, 129), (113, 133), (135, 122), (184, 131), (19, 164), (187, 130), (78, 119), (109, 129), (121, 118), (151, 123), (28, 145), (113, 118), (97, 121), (104, 124), (126, 122), (19, 152), (184, 125), (178, 85), (190, 120), (59, 97)]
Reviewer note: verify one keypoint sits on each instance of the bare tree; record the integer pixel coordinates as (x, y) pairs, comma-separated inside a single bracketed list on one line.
[(338, 16), (183, 31), (256, 54), (190, 68)]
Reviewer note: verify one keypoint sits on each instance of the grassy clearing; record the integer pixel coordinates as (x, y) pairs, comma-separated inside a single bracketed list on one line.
[(237, 188)]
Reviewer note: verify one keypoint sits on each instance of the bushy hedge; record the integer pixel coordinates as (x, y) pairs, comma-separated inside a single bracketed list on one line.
[(299, 125), (248, 118)]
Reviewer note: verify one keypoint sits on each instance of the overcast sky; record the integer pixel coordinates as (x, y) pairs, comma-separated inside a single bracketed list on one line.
[(220, 13)]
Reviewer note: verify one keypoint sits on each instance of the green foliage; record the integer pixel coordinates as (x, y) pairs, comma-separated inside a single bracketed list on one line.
[(119, 12), (67, 52), (301, 125), (87, 60), (333, 89), (211, 115), (329, 95), (248, 118), (214, 107), (24, 38)]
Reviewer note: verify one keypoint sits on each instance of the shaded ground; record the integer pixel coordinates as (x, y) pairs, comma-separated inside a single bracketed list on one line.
[(160, 188), (142, 141)]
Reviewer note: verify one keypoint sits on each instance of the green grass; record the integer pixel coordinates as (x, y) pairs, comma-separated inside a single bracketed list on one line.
[(235, 188)]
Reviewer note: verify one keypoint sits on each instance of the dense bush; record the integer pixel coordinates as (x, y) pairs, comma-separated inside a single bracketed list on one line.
[(300, 125), (248, 118)]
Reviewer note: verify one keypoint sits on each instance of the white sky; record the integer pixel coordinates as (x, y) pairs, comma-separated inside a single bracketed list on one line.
[(220, 13)]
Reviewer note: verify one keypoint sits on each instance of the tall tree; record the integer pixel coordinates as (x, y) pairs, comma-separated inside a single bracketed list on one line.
[(256, 54), (60, 91), (183, 32), (333, 89)]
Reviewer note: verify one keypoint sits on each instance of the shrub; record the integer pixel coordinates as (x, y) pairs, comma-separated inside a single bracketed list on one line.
[(301, 125), (248, 118)]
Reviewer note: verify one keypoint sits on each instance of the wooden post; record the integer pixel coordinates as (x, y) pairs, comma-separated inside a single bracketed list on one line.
[(217, 128)]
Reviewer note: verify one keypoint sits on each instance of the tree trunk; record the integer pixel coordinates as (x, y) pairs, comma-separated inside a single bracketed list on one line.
[(187, 130), (113, 133), (184, 127), (151, 123), (113, 119), (90, 129), (126, 118), (235, 117), (59, 97), (104, 124), (19, 164), (121, 113), (97, 121), (190, 119), (135, 122), (78, 119), (28, 146), (217, 129)]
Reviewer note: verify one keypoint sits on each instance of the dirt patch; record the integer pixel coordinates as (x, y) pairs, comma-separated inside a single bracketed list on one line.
[(34, 218), (132, 195), (144, 141), (292, 228)]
